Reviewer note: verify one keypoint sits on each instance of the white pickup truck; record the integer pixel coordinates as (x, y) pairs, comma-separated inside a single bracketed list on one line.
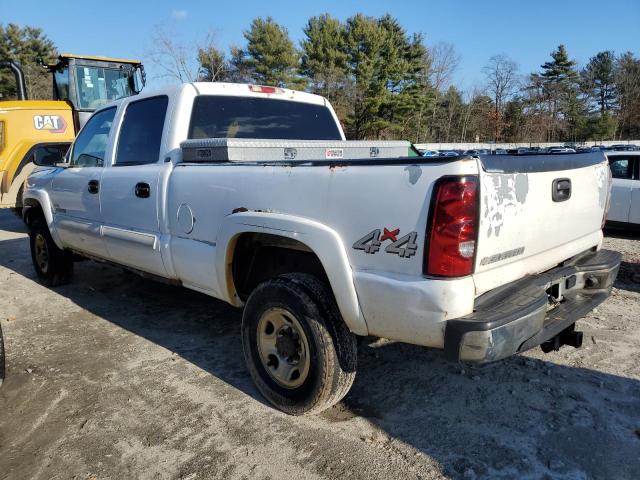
[(625, 192), (320, 239)]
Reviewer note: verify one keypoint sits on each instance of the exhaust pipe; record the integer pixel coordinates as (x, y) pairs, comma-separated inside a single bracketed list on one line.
[(568, 336), (21, 86)]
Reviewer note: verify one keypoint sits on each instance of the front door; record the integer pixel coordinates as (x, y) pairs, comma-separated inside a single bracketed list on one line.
[(75, 189), (130, 188)]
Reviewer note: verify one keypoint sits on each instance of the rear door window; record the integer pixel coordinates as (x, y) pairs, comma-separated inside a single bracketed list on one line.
[(141, 132), (217, 116)]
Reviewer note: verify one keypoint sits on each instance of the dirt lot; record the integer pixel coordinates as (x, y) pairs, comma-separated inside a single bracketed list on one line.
[(117, 377)]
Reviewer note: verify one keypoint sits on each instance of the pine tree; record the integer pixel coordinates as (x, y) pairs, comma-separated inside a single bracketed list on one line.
[(559, 80), (214, 66), (386, 67), (324, 60), (30, 47), (270, 57), (363, 41), (598, 80)]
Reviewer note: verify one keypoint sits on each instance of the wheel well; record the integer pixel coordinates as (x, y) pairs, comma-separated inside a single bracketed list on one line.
[(31, 210), (260, 256)]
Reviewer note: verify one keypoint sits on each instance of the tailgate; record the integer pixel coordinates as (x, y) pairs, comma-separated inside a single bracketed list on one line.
[(537, 211)]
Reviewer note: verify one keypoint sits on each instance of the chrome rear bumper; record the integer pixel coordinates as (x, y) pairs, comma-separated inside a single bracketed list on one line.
[(521, 315)]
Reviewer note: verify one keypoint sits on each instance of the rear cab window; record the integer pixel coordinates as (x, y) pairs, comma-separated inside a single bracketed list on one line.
[(217, 116)]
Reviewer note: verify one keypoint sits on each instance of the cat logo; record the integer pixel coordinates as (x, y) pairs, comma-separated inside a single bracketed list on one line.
[(53, 123)]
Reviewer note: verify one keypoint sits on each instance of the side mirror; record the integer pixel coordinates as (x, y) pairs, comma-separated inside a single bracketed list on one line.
[(50, 155)]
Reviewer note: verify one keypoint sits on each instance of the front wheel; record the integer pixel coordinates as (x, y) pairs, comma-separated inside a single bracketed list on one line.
[(52, 265), (298, 350)]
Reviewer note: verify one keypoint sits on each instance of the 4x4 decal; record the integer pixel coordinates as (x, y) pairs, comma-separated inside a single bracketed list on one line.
[(404, 247)]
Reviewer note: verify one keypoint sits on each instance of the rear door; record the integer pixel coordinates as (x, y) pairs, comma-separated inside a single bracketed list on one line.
[(130, 188), (537, 211), (75, 189), (621, 190)]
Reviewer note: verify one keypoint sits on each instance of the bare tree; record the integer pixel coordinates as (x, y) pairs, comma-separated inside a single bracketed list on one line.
[(628, 85), (213, 63), (469, 110), (502, 82), (183, 62), (443, 62), (174, 58)]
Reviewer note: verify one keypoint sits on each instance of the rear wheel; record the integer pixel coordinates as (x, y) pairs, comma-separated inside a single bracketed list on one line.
[(52, 265), (298, 350)]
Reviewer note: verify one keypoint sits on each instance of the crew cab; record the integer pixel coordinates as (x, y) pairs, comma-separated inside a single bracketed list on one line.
[(625, 191), (251, 195)]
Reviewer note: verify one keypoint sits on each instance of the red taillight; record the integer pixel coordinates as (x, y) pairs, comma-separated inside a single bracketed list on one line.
[(265, 89), (452, 240)]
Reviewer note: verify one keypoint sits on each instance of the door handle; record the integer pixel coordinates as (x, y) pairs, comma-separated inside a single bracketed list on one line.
[(561, 189), (143, 190), (93, 186)]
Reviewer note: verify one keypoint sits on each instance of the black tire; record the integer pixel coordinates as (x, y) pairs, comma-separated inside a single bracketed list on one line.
[(17, 210), (56, 267), (332, 347)]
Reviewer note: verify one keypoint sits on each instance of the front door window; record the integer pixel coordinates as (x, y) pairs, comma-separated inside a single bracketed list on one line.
[(90, 146)]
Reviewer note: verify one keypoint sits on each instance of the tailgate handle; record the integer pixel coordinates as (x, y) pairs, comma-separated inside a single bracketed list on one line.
[(561, 189)]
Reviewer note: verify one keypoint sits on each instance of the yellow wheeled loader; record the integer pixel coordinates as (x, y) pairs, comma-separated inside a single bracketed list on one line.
[(46, 128)]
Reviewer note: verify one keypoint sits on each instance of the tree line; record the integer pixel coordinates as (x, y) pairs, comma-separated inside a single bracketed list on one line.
[(385, 82)]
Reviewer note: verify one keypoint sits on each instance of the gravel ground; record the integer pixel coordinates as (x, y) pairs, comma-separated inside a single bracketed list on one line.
[(117, 377)]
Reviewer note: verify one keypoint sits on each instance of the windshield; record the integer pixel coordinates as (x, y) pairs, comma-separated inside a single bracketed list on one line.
[(97, 86), (216, 116)]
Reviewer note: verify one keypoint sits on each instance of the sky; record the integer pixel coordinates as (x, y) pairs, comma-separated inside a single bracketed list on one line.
[(526, 31)]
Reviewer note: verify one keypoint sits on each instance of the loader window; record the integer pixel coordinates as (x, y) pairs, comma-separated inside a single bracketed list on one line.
[(99, 86), (216, 116), (61, 78)]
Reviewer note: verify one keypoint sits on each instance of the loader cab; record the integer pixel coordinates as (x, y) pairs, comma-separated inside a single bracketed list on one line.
[(90, 82)]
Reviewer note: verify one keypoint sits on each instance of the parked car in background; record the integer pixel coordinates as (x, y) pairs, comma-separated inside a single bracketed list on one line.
[(448, 153), (430, 153), (624, 147), (561, 150), (624, 210), (476, 151), (499, 151)]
